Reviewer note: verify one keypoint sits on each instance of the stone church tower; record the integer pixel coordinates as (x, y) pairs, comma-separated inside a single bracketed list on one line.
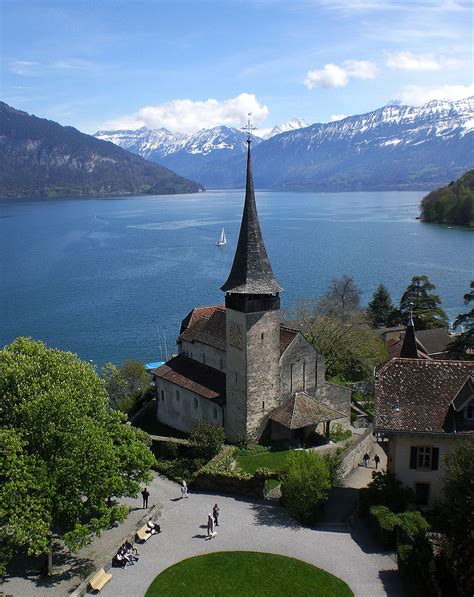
[(252, 329)]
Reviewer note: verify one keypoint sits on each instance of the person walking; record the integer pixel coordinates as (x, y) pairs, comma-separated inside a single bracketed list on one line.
[(377, 461), (184, 489), (210, 525), (215, 514), (145, 496), (366, 460)]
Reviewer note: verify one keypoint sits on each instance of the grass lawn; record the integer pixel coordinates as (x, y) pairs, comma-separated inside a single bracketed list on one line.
[(246, 574), (250, 461)]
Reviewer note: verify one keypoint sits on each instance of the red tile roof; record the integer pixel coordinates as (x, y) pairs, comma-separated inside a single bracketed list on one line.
[(415, 395), (196, 314), (301, 411), (194, 376)]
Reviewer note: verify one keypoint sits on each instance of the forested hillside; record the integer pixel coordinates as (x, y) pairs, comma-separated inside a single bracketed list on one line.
[(453, 204)]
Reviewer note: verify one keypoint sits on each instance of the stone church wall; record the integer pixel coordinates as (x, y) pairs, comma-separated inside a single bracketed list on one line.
[(180, 410), (338, 398), (203, 353), (298, 369)]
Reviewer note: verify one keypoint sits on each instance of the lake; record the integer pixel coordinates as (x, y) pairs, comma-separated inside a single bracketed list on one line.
[(111, 279)]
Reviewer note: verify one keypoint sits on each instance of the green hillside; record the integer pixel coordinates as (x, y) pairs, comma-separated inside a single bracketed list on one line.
[(453, 204)]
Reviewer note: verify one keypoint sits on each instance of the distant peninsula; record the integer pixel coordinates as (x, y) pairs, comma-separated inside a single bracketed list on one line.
[(453, 204), (40, 158)]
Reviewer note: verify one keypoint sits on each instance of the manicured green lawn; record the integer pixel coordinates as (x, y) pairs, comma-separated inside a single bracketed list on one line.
[(251, 461), (246, 574)]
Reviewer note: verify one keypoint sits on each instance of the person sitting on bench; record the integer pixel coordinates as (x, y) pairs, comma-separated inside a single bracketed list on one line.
[(152, 526)]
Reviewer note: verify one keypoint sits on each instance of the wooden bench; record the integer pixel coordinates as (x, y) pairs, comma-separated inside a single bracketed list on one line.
[(144, 534), (99, 580)]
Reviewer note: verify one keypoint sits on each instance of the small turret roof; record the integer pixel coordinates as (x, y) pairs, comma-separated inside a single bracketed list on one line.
[(251, 271), (409, 348)]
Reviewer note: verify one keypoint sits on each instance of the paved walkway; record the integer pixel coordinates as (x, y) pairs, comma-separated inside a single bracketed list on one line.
[(252, 525)]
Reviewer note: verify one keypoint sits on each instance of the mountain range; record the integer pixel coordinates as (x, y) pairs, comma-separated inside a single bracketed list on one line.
[(393, 147), (41, 158)]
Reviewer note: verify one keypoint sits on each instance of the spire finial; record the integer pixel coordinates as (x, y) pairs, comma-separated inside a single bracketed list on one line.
[(248, 128)]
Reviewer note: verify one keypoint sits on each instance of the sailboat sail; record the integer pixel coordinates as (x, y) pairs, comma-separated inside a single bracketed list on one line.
[(222, 240)]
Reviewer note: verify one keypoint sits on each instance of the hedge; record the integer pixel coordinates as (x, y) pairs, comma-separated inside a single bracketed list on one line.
[(385, 523)]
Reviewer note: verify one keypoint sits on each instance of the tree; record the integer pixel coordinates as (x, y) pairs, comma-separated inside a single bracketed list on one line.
[(341, 298), (305, 486), (351, 350), (125, 385), (206, 439), (380, 309), (427, 313), (463, 345), (65, 452), (457, 513)]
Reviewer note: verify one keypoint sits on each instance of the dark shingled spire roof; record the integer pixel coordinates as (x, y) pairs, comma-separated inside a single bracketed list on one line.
[(251, 271), (409, 348)]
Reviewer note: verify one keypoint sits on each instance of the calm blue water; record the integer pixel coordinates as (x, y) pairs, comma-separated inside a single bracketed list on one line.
[(100, 276)]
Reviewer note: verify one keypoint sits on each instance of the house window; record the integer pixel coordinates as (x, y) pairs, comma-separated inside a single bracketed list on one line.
[(424, 458), (195, 402), (162, 395), (214, 413), (422, 494), (470, 411), (177, 395)]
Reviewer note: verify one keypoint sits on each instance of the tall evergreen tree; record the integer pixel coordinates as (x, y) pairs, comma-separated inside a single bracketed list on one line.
[(380, 308), (427, 313), (463, 346)]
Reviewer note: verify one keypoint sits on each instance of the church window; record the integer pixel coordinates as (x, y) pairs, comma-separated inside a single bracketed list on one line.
[(304, 375), (221, 364), (470, 410), (177, 395), (263, 404), (214, 413), (291, 378), (204, 357), (162, 395), (236, 377), (261, 336), (195, 402)]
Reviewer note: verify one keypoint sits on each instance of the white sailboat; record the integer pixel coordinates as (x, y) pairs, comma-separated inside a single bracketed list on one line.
[(222, 240)]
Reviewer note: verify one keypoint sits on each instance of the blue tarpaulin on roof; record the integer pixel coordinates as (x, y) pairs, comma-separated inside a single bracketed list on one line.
[(150, 366)]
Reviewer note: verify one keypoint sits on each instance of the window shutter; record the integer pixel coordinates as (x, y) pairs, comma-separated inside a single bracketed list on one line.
[(435, 459), (413, 455)]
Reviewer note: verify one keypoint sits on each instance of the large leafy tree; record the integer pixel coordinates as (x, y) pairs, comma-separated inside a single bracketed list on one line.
[(125, 385), (463, 346), (65, 452), (427, 312), (380, 310)]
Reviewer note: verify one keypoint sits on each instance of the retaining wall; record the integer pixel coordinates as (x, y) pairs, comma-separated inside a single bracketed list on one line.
[(352, 457)]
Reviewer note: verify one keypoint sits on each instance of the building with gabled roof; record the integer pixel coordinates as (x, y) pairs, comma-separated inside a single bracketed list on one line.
[(238, 366), (423, 408)]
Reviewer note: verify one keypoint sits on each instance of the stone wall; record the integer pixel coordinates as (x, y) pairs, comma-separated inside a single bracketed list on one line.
[(338, 398), (252, 487), (298, 369), (203, 353), (352, 457)]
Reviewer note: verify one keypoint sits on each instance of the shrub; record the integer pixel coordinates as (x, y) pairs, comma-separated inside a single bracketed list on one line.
[(206, 439), (385, 523), (333, 462), (418, 566), (412, 524), (305, 486), (338, 434), (385, 490)]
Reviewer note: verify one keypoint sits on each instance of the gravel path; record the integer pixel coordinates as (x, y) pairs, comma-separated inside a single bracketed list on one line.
[(254, 526)]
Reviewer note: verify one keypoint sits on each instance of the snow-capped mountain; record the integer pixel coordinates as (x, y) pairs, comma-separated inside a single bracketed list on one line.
[(291, 125), (393, 147)]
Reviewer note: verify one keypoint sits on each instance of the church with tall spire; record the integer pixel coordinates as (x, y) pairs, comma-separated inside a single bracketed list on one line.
[(239, 366)]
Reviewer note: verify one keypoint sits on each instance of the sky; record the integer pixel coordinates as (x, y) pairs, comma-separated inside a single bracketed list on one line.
[(187, 65)]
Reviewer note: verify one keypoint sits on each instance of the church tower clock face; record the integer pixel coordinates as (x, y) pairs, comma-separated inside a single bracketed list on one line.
[(235, 331)]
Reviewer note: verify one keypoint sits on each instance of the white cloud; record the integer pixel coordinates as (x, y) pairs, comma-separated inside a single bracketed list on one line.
[(31, 68), (414, 95), (189, 116), (335, 117), (333, 75), (412, 62)]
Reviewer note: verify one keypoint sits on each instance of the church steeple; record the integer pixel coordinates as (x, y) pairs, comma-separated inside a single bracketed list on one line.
[(251, 272), (409, 348)]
